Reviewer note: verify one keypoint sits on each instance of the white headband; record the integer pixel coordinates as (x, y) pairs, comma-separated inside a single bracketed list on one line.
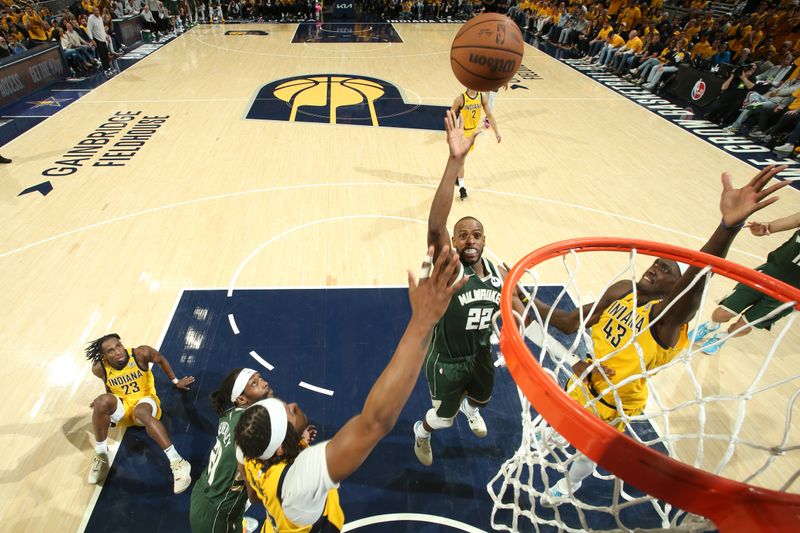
[(241, 383), (682, 267), (278, 421)]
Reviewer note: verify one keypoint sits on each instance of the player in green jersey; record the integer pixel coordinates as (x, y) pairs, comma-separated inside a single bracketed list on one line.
[(219, 496), (458, 365), (747, 303)]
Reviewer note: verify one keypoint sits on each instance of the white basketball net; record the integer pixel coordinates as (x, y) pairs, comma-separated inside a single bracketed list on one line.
[(688, 427)]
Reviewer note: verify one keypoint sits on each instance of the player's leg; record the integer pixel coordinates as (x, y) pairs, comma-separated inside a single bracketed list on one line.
[(462, 189), (147, 413), (446, 382), (740, 299), (754, 317), (478, 392), (106, 409)]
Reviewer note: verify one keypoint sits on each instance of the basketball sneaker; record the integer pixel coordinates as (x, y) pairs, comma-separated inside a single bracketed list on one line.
[(702, 331), (462, 193), (712, 345), (249, 525), (476, 423), (98, 470), (181, 471), (422, 447), (552, 496)]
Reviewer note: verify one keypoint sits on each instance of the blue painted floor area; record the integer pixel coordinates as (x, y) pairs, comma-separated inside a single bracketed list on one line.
[(346, 32), (338, 339)]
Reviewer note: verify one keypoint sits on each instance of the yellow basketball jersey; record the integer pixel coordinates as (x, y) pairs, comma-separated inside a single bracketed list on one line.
[(471, 112), (619, 328), (131, 382), (267, 484)]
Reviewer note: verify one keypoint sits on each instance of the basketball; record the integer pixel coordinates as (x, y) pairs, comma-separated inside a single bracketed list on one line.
[(487, 52)]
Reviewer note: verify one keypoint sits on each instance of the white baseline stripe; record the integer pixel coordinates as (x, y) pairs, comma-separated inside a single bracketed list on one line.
[(234, 327), (261, 360), (410, 517), (315, 388)]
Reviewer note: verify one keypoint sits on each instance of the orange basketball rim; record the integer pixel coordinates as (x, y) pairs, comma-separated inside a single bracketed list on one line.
[(731, 505)]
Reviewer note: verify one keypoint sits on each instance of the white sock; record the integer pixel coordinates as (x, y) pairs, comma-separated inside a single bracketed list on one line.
[(460, 182), (172, 454), (581, 468), (420, 431), (468, 407), (101, 447)]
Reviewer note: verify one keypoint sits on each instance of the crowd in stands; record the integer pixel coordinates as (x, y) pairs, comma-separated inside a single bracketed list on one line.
[(84, 30), (757, 53)]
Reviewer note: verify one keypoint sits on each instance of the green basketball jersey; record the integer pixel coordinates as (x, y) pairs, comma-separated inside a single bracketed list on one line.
[(220, 482), (466, 326), (783, 263)]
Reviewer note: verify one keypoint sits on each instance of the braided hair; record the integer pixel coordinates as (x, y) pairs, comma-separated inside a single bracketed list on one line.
[(94, 350), (253, 431), (221, 398)]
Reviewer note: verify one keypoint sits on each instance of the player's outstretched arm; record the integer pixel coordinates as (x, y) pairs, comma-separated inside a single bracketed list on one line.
[(736, 205), (429, 300), (760, 229), (490, 117), (459, 146), (569, 321), (149, 354)]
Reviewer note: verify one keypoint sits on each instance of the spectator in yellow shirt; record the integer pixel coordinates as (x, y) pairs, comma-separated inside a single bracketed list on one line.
[(630, 15), (607, 52), (597, 44), (703, 49), (37, 34), (633, 46), (765, 51), (614, 6)]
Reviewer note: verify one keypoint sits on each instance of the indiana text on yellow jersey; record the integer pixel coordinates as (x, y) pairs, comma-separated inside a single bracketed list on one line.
[(625, 332), (471, 112), (268, 484)]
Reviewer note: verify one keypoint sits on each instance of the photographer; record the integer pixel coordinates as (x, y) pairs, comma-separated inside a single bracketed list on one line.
[(734, 89)]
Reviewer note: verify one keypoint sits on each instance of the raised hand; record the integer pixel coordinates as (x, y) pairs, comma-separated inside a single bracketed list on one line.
[(184, 382), (738, 204), (309, 434), (459, 145), (430, 296), (758, 229)]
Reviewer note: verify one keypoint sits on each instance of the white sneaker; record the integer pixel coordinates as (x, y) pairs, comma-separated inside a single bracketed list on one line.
[(250, 524), (553, 497), (476, 423), (98, 469), (786, 147), (422, 447), (181, 471)]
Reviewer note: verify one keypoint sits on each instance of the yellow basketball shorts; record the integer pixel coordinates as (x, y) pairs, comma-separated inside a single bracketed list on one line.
[(129, 404), (606, 413)]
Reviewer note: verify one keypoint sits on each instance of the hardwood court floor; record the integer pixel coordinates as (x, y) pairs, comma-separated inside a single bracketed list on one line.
[(110, 248)]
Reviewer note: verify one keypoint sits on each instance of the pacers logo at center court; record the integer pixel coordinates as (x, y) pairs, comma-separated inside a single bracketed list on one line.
[(342, 99)]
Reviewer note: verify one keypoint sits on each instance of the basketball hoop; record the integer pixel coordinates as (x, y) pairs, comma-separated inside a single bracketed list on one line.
[(731, 505)]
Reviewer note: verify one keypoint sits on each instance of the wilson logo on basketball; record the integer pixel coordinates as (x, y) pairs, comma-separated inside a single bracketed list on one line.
[(493, 64), (342, 99), (698, 90)]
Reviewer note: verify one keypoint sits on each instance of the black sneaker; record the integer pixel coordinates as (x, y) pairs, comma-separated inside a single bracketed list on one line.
[(7, 160), (462, 193)]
